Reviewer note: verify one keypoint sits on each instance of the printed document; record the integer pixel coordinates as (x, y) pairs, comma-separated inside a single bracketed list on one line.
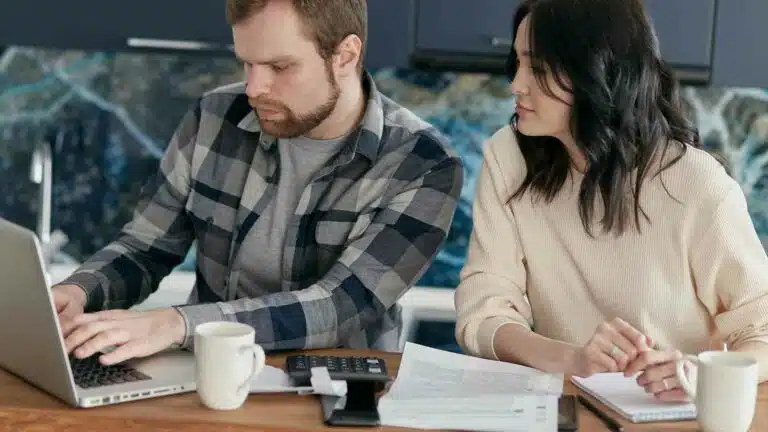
[(437, 389)]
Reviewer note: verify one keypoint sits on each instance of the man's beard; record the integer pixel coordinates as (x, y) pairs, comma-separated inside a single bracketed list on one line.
[(292, 125)]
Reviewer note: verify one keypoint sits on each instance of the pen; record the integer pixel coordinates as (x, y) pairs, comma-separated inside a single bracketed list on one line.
[(612, 424)]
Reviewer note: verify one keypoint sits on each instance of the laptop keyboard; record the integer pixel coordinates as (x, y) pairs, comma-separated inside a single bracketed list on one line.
[(89, 373)]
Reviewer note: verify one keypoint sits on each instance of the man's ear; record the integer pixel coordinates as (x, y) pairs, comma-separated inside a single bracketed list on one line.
[(348, 55)]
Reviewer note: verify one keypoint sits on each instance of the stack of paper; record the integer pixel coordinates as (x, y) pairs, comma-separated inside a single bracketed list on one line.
[(437, 389)]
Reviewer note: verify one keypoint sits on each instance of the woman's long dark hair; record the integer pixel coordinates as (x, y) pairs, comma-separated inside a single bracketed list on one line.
[(625, 110)]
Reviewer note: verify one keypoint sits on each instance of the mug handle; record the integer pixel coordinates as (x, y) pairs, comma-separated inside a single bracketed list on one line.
[(259, 359), (685, 383)]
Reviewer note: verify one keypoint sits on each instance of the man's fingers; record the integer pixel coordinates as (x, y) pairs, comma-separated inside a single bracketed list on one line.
[(67, 320), (134, 334), (67, 325), (116, 314), (69, 310), (132, 349), (85, 332), (60, 303), (86, 318), (104, 339), (70, 324), (108, 315)]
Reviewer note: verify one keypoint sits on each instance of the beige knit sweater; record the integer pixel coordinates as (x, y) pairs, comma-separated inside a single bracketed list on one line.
[(696, 276)]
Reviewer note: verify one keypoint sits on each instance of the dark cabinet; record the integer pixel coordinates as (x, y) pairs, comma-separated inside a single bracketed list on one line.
[(76, 24), (462, 35), (182, 24), (187, 26), (685, 29), (741, 44), (466, 27), (106, 25), (390, 33), (718, 42)]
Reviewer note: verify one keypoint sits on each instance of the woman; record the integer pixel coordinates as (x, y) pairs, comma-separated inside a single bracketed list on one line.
[(604, 238)]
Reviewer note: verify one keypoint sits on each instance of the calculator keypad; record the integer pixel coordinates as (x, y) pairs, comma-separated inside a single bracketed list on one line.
[(339, 368)]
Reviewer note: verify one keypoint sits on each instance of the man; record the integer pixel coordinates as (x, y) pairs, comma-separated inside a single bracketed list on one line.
[(316, 202)]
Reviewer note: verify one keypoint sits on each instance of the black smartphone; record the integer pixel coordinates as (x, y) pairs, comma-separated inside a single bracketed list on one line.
[(357, 408), (567, 414)]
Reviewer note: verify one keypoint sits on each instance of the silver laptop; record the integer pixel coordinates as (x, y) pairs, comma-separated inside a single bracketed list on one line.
[(32, 347)]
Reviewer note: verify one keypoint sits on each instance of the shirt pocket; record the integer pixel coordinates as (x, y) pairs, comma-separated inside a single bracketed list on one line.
[(333, 236), (339, 230)]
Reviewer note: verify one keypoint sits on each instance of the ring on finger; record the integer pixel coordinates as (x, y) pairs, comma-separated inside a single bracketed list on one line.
[(664, 382), (614, 350)]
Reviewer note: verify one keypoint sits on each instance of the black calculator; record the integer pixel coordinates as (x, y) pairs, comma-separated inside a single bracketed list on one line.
[(370, 369)]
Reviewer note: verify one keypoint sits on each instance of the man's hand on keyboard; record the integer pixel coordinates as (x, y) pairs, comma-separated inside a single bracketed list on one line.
[(69, 301), (135, 334)]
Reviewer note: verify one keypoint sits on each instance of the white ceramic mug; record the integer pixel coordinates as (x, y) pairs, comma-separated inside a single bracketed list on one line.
[(226, 359), (725, 390)]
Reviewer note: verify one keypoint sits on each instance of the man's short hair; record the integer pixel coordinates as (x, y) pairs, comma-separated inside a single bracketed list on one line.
[(327, 22)]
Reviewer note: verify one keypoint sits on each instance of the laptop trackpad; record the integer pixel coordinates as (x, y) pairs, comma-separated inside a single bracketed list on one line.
[(174, 365)]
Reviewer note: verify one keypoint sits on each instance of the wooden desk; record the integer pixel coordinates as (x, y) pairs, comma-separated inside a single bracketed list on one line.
[(23, 407)]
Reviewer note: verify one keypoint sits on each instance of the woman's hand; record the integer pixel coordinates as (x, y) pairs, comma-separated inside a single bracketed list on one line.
[(613, 346), (659, 374)]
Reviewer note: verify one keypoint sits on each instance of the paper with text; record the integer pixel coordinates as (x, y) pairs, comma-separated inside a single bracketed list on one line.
[(441, 374), (440, 389)]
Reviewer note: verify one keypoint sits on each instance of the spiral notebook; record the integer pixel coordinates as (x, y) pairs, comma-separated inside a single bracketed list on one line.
[(631, 401)]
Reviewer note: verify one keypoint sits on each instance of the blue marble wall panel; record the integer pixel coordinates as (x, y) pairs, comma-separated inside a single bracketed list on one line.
[(109, 117)]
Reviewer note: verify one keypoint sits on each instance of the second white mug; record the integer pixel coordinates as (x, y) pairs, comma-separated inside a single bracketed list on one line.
[(725, 390), (226, 359)]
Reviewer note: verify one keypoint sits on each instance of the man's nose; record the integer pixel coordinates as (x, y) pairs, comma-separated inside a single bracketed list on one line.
[(258, 83)]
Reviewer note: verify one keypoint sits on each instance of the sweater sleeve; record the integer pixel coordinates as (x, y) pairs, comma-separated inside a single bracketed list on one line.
[(492, 291), (730, 270)]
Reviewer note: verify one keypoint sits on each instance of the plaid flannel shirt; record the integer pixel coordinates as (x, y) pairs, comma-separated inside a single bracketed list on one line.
[(366, 228)]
